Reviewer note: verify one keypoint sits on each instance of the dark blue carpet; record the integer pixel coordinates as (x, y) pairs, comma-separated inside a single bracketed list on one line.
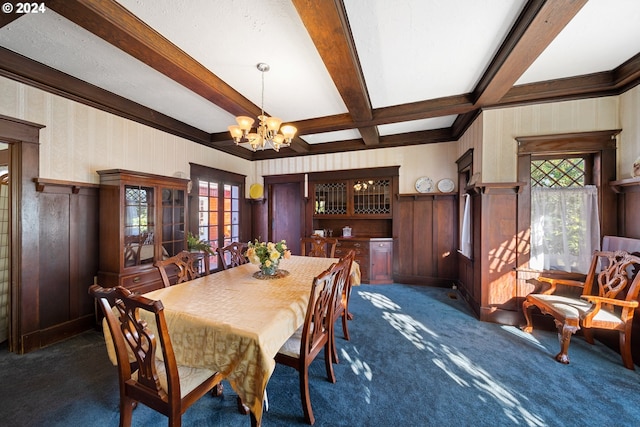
[(417, 357)]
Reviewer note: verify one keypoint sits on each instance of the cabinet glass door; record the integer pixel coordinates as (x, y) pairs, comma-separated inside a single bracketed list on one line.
[(372, 197), (330, 198), (139, 225), (173, 226)]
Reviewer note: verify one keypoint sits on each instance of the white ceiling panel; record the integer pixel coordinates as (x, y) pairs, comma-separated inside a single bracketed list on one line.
[(231, 37), (414, 50), (54, 41), (603, 35), (417, 125), (341, 135)]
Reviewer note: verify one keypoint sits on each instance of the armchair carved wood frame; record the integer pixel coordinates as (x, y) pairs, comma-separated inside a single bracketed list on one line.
[(611, 308)]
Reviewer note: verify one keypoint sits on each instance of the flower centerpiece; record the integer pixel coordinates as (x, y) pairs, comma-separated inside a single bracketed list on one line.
[(267, 255)]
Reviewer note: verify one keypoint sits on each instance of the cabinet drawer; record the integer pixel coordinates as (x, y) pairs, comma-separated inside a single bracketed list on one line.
[(353, 243), (144, 281), (358, 246), (360, 252)]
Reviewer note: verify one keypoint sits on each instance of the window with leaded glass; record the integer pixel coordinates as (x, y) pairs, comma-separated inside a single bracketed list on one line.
[(558, 172)]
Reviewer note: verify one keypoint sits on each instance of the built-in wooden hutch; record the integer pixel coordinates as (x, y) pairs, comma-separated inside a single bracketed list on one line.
[(363, 201)]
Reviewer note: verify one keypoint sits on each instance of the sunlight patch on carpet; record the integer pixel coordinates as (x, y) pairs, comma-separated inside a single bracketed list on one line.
[(455, 364), (379, 300), (409, 328), (359, 367), (521, 334)]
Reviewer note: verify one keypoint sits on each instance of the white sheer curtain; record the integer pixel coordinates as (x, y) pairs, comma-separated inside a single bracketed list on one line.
[(465, 235), (565, 228)]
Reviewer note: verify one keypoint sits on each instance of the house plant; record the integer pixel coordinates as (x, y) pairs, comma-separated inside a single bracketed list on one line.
[(195, 244)]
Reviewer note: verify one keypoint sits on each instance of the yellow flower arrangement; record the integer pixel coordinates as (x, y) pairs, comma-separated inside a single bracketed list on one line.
[(267, 254)]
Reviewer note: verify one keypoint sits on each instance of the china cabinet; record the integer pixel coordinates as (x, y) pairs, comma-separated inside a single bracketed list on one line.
[(142, 220)]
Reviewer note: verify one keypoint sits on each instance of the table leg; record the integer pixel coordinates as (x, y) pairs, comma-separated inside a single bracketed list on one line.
[(254, 421), (242, 408), (217, 390)]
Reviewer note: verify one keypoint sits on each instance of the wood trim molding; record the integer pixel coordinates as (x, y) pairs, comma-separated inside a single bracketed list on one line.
[(465, 161), (355, 173), (41, 183), (495, 187), (623, 185), (568, 142)]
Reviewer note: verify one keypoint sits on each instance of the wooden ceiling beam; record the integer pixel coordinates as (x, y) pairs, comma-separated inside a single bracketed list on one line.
[(32, 73), (7, 18), (369, 135), (539, 23), (627, 75), (328, 25), (113, 23), (439, 107)]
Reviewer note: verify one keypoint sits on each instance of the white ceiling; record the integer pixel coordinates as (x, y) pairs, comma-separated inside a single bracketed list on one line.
[(409, 51)]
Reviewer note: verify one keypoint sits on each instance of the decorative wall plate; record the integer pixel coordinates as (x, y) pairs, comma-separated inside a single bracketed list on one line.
[(255, 191), (424, 184), (446, 185)]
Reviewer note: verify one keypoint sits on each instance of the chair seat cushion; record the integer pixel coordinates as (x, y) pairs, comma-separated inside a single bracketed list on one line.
[(291, 347), (574, 308), (564, 307), (190, 378)]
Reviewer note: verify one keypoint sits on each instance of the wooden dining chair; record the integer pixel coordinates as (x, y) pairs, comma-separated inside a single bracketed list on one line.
[(162, 385), (322, 247), (342, 292), (314, 335), (184, 265), (235, 252)]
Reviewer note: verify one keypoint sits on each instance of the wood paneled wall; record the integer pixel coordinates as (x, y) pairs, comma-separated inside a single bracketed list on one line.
[(68, 259), (487, 280), (426, 239)]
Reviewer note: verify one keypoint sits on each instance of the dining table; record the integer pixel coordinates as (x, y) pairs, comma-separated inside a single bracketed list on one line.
[(235, 321)]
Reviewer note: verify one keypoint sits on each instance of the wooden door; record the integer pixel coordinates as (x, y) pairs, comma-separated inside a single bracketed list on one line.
[(286, 214)]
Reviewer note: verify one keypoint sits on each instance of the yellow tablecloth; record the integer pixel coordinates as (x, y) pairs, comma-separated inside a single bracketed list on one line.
[(235, 324)]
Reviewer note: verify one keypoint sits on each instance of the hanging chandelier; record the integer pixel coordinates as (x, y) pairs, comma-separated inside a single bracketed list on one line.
[(266, 133)]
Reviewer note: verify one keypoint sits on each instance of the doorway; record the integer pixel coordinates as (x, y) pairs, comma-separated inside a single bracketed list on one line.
[(286, 214), (5, 264)]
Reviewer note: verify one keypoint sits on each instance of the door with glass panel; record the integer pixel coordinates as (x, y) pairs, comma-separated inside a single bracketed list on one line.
[(218, 214)]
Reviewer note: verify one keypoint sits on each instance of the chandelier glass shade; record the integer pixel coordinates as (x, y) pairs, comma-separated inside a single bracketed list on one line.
[(268, 132)]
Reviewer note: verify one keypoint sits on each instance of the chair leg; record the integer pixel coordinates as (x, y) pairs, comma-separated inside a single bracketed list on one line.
[(334, 349), (328, 359), (345, 328), (304, 395), (565, 330), (175, 420), (527, 315), (625, 347), (588, 335), (126, 411)]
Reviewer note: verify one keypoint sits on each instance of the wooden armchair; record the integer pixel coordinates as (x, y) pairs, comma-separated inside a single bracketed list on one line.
[(162, 385), (315, 334), (235, 253), (612, 308), (185, 264), (323, 247)]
